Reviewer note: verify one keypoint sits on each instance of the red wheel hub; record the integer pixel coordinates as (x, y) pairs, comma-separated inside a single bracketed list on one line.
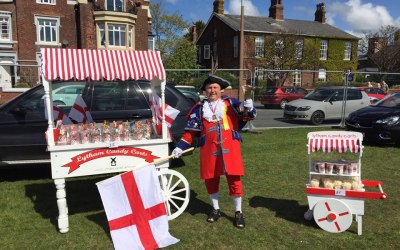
[(331, 216)]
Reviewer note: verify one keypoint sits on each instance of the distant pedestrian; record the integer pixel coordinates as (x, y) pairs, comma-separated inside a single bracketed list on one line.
[(369, 84), (378, 85), (384, 86)]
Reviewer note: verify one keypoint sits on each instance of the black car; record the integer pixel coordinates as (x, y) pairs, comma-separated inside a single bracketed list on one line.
[(23, 122), (379, 122)]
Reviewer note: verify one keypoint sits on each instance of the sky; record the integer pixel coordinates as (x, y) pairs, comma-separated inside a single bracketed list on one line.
[(352, 16)]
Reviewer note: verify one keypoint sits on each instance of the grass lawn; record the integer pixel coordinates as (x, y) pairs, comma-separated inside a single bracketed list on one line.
[(276, 165)]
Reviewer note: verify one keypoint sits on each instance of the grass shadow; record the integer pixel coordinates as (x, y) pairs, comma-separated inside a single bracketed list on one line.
[(82, 196), (289, 210)]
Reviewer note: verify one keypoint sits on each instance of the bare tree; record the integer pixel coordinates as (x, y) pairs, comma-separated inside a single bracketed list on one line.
[(382, 48)]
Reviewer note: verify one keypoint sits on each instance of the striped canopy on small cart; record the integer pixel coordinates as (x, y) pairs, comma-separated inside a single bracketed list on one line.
[(339, 141), (81, 64)]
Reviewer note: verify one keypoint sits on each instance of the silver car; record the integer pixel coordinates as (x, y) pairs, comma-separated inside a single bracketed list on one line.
[(326, 103)]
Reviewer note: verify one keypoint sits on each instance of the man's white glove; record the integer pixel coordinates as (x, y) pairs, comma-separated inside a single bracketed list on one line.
[(177, 152), (248, 104)]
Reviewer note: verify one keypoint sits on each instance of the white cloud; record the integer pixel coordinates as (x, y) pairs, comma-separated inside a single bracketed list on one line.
[(361, 16), (172, 1), (249, 8)]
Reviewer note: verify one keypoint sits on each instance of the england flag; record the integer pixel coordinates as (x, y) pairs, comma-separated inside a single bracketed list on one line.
[(79, 112)]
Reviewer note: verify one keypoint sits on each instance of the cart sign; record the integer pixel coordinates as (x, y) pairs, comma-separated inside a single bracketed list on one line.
[(329, 141)]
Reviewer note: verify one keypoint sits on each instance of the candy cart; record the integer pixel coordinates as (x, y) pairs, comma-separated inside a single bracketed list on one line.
[(111, 155), (335, 190)]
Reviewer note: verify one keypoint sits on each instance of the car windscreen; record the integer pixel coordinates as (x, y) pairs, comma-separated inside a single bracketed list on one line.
[(270, 90), (392, 101), (319, 94)]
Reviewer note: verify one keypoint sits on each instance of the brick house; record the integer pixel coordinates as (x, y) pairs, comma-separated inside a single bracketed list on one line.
[(28, 25), (335, 50)]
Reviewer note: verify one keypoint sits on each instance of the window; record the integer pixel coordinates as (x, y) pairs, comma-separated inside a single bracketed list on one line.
[(5, 22), (297, 77), (322, 75), (235, 46), (151, 42), (298, 53), (115, 5), (47, 30), (259, 71), (347, 50), (206, 51), (52, 2), (117, 35), (323, 50), (259, 46), (279, 48)]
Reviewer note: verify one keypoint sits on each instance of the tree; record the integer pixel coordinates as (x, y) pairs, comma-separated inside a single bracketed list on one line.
[(176, 50), (288, 52), (382, 48)]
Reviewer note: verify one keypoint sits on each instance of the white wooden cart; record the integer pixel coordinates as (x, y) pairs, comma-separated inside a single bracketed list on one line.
[(335, 190), (69, 161)]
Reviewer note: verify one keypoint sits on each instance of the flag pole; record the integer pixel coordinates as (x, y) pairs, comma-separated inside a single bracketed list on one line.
[(157, 161)]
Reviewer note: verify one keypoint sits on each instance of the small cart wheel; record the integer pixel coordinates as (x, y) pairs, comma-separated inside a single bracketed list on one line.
[(332, 215), (175, 190), (308, 215)]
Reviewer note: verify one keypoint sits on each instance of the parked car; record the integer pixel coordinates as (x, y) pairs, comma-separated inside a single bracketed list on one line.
[(325, 103), (23, 123), (379, 122), (191, 92), (281, 95), (375, 94)]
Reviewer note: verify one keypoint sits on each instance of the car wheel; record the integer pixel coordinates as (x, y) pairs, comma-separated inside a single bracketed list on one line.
[(317, 117), (283, 103)]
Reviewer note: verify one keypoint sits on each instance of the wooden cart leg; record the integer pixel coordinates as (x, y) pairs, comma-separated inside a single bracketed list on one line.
[(61, 195), (359, 223)]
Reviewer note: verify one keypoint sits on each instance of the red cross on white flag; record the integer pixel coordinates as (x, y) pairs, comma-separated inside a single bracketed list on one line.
[(170, 112), (135, 210), (79, 112), (58, 114)]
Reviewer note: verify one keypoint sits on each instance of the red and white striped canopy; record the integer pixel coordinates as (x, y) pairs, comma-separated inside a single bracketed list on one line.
[(81, 64), (329, 141)]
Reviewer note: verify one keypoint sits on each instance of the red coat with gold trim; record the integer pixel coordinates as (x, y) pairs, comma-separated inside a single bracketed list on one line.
[(219, 141)]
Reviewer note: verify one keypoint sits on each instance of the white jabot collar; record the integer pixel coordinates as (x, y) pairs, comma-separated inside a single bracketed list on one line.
[(218, 106)]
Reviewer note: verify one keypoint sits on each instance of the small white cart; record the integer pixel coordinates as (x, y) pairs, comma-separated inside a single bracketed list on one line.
[(69, 161), (335, 190)]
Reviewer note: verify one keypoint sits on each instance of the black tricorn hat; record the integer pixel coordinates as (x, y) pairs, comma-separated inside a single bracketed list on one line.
[(215, 79)]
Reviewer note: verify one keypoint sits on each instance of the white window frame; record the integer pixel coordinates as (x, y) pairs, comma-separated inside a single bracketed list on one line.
[(114, 5), (322, 75), (6, 16), (323, 50), (116, 31), (207, 52), (235, 46), (50, 2), (259, 72), (259, 46), (347, 51), (297, 77), (56, 40), (298, 50), (279, 47)]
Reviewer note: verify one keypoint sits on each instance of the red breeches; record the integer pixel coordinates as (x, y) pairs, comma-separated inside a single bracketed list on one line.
[(234, 184)]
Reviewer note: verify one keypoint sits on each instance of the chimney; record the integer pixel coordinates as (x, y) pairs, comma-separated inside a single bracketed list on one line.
[(218, 6), (193, 33), (320, 13), (276, 10)]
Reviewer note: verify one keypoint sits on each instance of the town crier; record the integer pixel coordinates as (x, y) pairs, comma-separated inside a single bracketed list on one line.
[(216, 122)]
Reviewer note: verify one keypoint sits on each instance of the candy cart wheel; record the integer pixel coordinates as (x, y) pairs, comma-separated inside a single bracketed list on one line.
[(176, 192), (332, 215), (308, 215)]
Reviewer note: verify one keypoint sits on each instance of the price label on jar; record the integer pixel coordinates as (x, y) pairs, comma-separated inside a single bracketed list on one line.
[(340, 192), (113, 144)]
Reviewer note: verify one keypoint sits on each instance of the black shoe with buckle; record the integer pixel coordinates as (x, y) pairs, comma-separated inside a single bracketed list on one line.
[(239, 220), (214, 215)]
